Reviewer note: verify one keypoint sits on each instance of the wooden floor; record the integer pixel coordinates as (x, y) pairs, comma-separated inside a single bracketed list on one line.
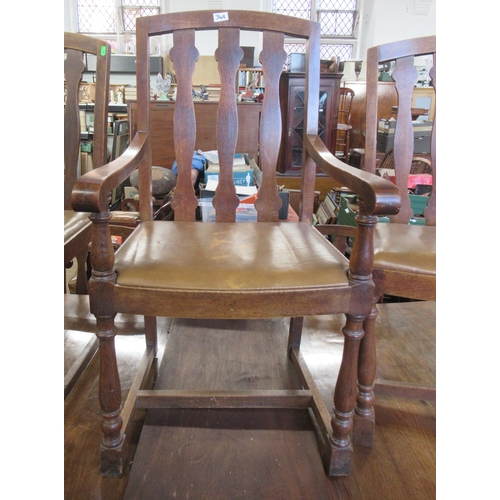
[(256, 454)]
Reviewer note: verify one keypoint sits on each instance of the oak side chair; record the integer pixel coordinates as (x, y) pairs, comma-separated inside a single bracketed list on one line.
[(77, 226), (229, 270)]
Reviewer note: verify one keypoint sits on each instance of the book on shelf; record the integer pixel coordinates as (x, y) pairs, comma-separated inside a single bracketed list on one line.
[(322, 215), (330, 206), (86, 164), (130, 93)]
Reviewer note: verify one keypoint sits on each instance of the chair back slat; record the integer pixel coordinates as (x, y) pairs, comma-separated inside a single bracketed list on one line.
[(272, 57), (184, 55), (430, 210), (405, 76), (228, 56)]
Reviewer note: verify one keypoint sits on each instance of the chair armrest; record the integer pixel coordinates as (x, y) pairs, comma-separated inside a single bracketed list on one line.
[(91, 191), (380, 196)]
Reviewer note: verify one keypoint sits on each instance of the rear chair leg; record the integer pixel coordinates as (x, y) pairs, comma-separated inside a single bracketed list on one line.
[(364, 413), (295, 333)]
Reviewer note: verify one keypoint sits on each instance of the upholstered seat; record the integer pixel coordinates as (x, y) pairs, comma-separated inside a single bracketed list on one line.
[(298, 262), (74, 224), (405, 248)]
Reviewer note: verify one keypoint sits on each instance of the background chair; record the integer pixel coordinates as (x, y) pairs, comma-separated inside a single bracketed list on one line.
[(419, 164), (229, 270), (344, 126), (404, 254), (77, 226)]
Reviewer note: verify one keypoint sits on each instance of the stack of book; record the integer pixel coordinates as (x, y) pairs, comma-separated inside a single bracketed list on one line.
[(130, 93), (327, 210)]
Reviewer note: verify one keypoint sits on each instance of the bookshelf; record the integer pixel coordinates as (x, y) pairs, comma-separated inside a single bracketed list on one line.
[(253, 77)]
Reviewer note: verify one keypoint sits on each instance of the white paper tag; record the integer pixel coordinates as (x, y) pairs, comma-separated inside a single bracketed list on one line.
[(220, 16)]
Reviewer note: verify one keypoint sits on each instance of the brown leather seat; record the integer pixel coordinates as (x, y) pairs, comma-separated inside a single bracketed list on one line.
[(405, 248), (74, 224), (298, 261)]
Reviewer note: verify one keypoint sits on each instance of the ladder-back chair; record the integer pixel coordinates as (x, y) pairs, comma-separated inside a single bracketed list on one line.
[(405, 254), (225, 269), (344, 126), (77, 226)]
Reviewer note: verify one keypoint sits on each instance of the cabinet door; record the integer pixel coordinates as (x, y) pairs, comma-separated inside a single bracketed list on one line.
[(296, 125), (292, 90)]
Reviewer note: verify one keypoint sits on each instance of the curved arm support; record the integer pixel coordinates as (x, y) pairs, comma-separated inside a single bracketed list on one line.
[(380, 196), (91, 191)]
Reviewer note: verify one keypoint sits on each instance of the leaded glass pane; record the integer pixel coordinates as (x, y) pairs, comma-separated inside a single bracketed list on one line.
[(337, 4), (295, 8), (96, 16), (130, 14), (336, 23)]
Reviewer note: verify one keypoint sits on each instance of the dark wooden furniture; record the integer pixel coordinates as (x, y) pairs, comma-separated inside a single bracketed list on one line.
[(292, 98), (344, 127), (387, 98), (404, 254), (77, 226), (162, 119), (226, 269)]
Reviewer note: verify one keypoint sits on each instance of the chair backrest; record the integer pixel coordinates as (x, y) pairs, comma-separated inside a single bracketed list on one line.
[(76, 47), (229, 54), (405, 76), (345, 104)]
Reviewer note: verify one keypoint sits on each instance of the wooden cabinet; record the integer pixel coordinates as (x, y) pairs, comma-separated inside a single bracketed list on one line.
[(162, 140), (292, 92)]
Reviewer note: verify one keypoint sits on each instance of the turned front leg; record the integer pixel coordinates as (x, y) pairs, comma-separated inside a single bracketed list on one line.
[(345, 398), (112, 445), (102, 306)]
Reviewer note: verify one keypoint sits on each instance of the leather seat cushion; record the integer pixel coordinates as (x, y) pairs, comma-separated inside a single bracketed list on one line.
[(229, 256), (74, 223), (405, 247)]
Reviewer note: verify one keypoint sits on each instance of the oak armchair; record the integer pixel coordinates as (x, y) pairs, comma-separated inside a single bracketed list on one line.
[(226, 269)]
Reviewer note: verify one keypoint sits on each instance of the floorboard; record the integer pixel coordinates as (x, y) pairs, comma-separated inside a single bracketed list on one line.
[(260, 454)]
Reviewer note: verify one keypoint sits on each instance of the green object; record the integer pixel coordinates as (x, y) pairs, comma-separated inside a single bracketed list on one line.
[(346, 216), (418, 203), (103, 50), (86, 147)]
